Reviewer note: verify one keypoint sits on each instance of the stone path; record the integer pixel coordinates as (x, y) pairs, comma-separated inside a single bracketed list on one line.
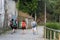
[(27, 36)]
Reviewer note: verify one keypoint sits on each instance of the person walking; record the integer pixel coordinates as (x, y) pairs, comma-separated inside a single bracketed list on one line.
[(23, 26), (34, 24), (13, 25)]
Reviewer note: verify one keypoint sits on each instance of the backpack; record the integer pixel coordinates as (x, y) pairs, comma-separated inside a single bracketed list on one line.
[(14, 23), (34, 24)]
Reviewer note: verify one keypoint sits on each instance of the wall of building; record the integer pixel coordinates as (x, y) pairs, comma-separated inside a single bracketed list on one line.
[(2, 12), (11, 10)]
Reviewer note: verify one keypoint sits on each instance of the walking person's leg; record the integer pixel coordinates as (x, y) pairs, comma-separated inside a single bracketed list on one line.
[(34, 30), (13, 31), (15, 28), (11, 28), (23, 28)]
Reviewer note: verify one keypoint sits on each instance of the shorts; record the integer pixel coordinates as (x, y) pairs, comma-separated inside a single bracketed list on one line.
[(34, 28), (14, 27), (23, 28)]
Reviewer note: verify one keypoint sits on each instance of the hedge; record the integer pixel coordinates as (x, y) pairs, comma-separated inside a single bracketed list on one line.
[(53, 25)]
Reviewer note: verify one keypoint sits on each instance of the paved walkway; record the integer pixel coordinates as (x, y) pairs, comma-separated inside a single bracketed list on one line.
[(19, 36)]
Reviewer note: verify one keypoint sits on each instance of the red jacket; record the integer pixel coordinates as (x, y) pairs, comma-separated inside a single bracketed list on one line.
[(23, 24)]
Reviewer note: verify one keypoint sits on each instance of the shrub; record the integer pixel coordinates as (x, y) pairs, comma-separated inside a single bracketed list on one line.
[(54, 25)]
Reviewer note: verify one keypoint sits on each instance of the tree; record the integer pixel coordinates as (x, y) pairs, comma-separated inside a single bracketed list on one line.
[(53, 7), (57, 9), (29, 6)]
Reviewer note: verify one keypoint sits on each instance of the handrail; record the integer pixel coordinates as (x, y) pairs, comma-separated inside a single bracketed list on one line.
[(52, 29), (50, 33)]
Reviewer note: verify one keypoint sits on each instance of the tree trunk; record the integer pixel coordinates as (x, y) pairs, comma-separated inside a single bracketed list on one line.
[(35, 16), (45, 14)]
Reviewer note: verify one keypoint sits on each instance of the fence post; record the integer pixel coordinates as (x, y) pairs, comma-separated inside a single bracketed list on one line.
[(59, 36), (54, 35), (45, 33), (50, 35)]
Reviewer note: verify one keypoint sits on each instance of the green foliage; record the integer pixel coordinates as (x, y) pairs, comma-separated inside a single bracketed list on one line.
[(53, 25), (53, 6), (57, 7), (35, 6), (27, 5), (50, 5)]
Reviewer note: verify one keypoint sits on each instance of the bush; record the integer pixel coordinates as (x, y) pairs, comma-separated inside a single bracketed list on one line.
[(54, 25)]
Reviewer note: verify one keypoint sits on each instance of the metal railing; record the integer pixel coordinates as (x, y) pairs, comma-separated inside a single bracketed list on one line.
[(51, 34)]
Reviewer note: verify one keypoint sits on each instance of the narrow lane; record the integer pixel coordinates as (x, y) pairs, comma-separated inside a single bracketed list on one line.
[(27, 36)]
